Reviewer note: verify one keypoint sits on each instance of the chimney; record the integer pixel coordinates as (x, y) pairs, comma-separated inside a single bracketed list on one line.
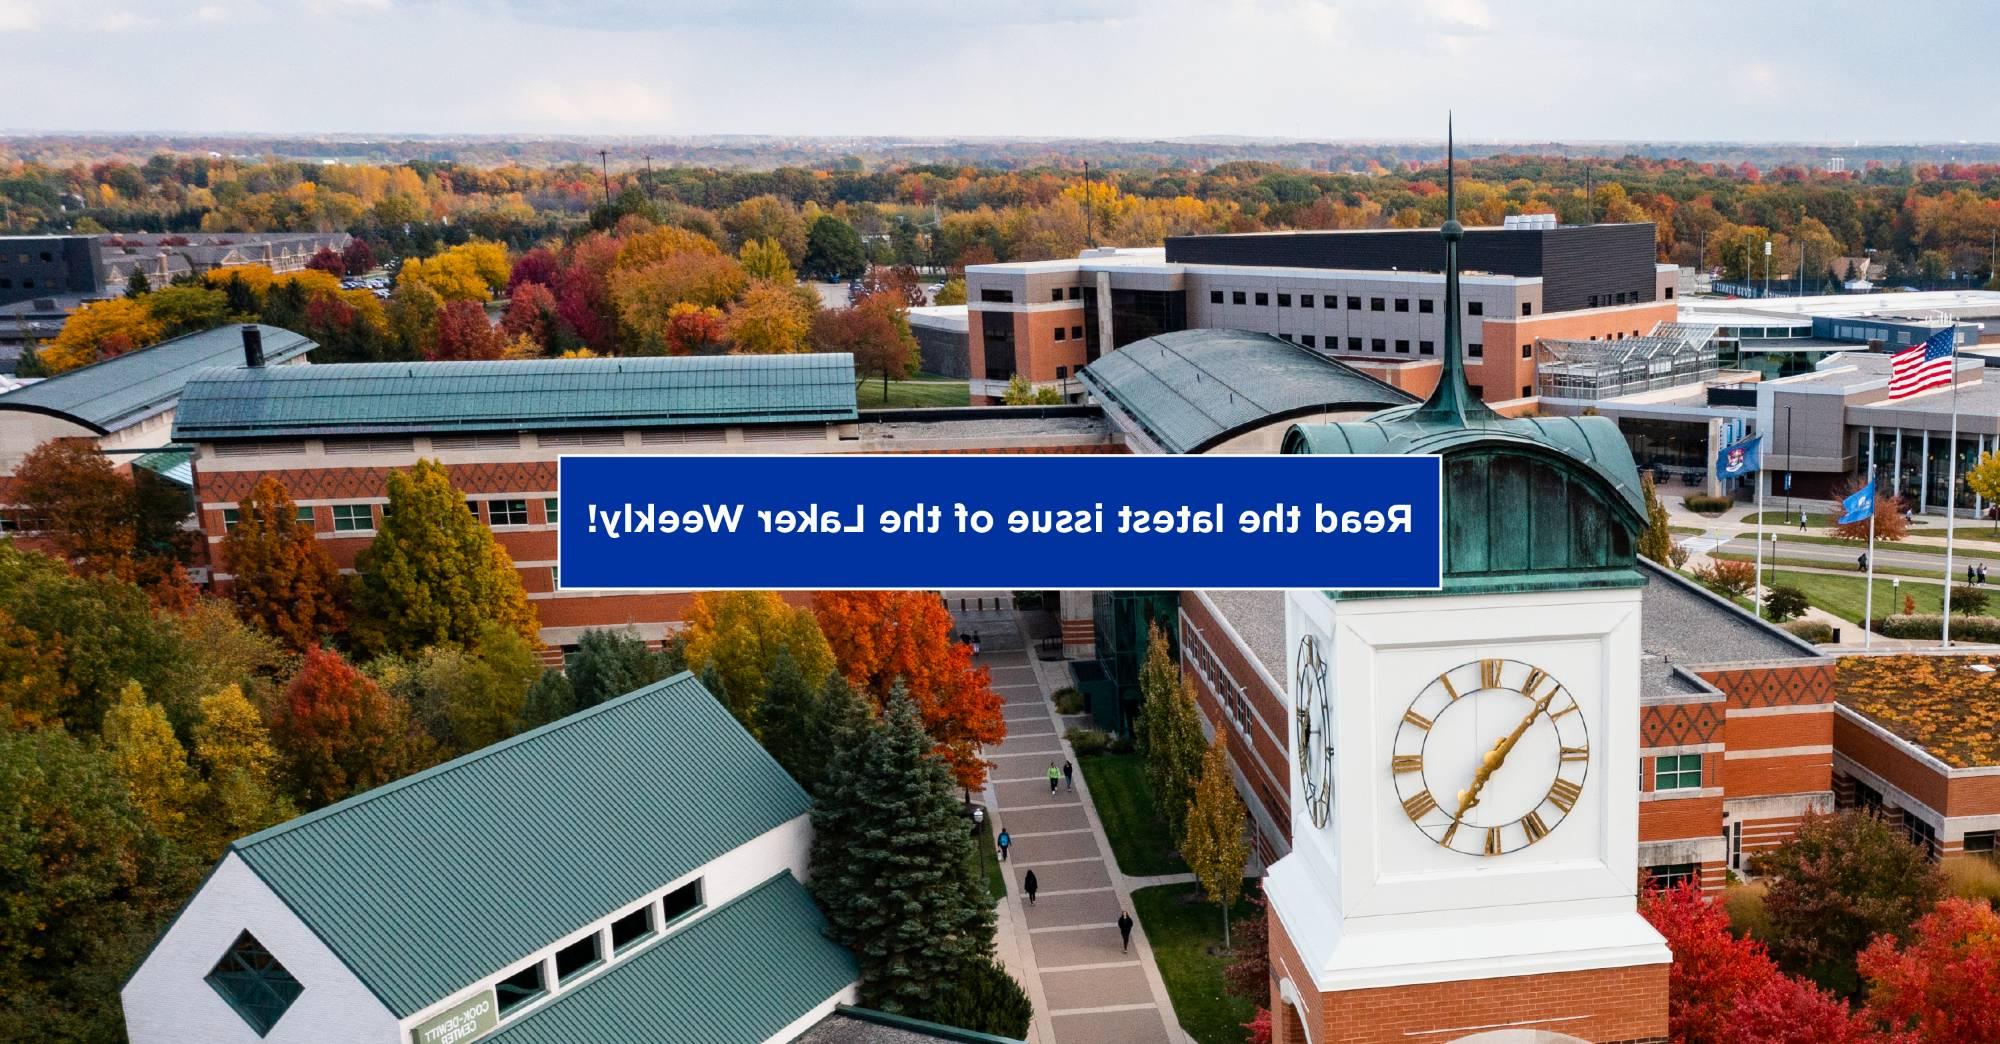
[(253, 346)]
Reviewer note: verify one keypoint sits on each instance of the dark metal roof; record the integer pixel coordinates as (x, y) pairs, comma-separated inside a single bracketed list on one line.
[(124, 389), (1192, 389), (739, 974), (516, 395), (507, 849)]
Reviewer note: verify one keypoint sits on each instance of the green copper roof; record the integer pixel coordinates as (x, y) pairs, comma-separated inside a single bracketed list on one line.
[(1529, 502), (738, 975), (176, 465), (1195, 388), (516, 395), (125, 389), (433, 881)]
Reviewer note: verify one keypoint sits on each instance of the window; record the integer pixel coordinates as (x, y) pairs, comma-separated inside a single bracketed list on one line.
[(578, 957), (1670, 293), (1263, 299), (1424, 306), (552, 510), (1527, 351), (1330, 301), (1076, 293), (1236, 297), (230, 516), (555, 578), (507, 512), (1677, 772), (1475, 308), (348, 518), (306, 515), (1979, 842), (631, 928), (1475, 351), (1353, 304), (1354, 344), (1426, 348), (1305, 300), (1476, 390), (1402, 304), (1284, 300), (1311, 341), (680, 902), (1378, 345), (1062, 334), (1055, 294), (1922, 834), (1671, 875), (1376, 304), (1402, 347), (472, 506), (997, 296), (1076, 333), (1215, 297), (520, 988), (1867, 797), (1526, 390), (254, 983), (1527, 308)]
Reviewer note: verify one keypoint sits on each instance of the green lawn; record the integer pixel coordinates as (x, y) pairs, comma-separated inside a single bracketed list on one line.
[(1820, 563), (1185, 930), (989, 858), (1842, 595), (1686, 530), (920, 392), (1139, 837), (1749, 540)]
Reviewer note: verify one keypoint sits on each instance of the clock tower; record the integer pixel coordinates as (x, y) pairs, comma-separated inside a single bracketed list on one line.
[(1465, 763)]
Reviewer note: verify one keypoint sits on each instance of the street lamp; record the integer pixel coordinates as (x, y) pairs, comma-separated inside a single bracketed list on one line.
[(978, 821)]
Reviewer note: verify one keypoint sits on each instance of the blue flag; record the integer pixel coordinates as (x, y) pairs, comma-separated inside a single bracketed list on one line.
[(1741, 459), (1858, 505)]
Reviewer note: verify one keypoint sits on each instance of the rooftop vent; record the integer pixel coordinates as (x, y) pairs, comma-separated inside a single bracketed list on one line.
[(1528, 221), (253, 346)]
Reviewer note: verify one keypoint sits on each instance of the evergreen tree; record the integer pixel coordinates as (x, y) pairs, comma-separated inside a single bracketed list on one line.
[(434, 575), (892, 864), (987, 1000), (609, 664), (285, 583), (833, 250), (796, 717), (1215, 847), (549, 699), (1169, 733), (138, 286)]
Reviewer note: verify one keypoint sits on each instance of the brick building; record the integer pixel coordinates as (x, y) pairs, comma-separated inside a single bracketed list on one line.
[(1920, 749)]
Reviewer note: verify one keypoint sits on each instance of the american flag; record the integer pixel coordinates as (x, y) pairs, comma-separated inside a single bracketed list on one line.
[(1922, 367)]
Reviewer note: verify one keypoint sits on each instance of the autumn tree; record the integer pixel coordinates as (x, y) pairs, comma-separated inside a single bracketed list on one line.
[(284, 581), (1657, 542), (142, 750), (741, 634), (531, 312), (953, 292), (471, 271), (187, 309), (434, 574), (1168, 733), (340, 733), (357, 257), (1984, 478), (1841, 881), (1021, 393), (235, 754), (325, 260), (1249, 972), (769, 320), (99, 330), (876, 331), (1712, 968), (464, 333), (128, 525), (695, 330), (413, 319), (1943, 986), (481, 697), (833, 251), (882, 637), (768, 219), (34, 690), (1215, 846), (765, 259), (1889, 521)]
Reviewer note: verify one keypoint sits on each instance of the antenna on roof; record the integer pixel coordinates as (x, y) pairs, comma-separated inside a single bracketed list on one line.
[(1451, 401)]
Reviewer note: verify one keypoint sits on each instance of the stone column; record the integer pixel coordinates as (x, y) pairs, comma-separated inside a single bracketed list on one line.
[(1079, 627), (1105, 342), (1924, 475)]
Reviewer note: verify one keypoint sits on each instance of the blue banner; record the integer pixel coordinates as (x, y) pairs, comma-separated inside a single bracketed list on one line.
[(1858, 505), (1053, 522), (1741, 459)]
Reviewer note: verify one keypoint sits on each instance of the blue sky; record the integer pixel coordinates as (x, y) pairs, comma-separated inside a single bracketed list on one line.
[(1832, 71)]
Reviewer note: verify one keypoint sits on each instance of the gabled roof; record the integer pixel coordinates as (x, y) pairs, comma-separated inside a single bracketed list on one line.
[(738, 975), (422, 886), (517, 395), (1194, 388), (125, 389)]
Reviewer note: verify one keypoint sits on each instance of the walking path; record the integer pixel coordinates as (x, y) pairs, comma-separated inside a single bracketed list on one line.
[(1064, 948)]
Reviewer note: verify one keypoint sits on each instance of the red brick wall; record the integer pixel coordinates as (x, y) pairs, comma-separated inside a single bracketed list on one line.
[(1501, 372), (1890, 762), (1257, 754), (1675, 819)]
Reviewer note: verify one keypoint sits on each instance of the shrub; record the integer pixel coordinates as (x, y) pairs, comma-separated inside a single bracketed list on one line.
[(1968, 600), (1707, 505), (1810, 630), (986, 1000), (1088, 741), (1744, 901), (1785, 603), (1730, 579), (1068, 701), (1973, 877), (1930, 626)]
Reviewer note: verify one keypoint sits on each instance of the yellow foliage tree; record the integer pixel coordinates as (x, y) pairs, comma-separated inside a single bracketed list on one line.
[(472, 271), (234, 748), (100, 330), (765, 259), (769, 320), (660, 243), (739, 634), (1215, 847), (142, 748)]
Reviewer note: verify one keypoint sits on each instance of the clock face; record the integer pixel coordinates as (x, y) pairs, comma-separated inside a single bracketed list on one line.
[(1490, 757), (1314, 720)]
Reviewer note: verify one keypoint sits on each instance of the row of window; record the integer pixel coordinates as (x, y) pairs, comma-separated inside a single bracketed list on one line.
[(1425, 305), (1377, 344), (1074, 333), (351, 518), (1075, 293), (576, 959)]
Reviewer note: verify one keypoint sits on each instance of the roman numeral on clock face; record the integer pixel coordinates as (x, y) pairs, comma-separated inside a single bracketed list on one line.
[(1492, 841), (1419, 805), (1416, 719), (1489, 674), (1407, 763), (1564, 794), (1576, 753), (1532, 823), (1535, 679)]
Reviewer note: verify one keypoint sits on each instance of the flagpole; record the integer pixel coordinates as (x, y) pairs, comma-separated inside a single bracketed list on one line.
[(1757, 595), (1868, 597), (1951, 499)]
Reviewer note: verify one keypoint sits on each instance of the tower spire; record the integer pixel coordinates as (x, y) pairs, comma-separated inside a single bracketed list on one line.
[(1451, 401)]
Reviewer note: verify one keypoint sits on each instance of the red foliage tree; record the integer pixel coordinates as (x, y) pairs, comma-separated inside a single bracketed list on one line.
[(1784, 1010), (694, 330), (1711, 969), (357, 257), (1258, 1029), (329, 262), (583, 290), (536, 266), (881, 637), (531, 311), (464, 333), (1943, 986), (340, 732)]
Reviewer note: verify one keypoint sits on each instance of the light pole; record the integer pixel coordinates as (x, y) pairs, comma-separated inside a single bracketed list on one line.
[(979, 842), (1788, 463), (1767, 264)]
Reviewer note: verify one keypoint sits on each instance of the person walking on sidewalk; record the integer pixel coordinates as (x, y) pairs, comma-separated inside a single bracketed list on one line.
[(1124, 932), (1054, 777), (1029, 884), (1069, 776), (1006, 840)]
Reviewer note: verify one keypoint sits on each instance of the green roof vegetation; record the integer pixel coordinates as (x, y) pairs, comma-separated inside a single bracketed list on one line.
[(431, 882), (114, 393), (1192, 389), (517, 395), (738, 975)]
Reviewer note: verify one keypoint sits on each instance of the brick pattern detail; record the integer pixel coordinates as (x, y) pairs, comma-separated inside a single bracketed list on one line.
[(1680, 724), (1892, 763), (1258, 756), (1762, 834), (1774, 686), (1611, 1005)]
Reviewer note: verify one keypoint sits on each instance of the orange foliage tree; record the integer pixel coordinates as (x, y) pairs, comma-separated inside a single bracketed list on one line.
[(463, 332), (340, 732), (1889, 521), (285, 583), (879, 637), (1945, 984), (105, 522)]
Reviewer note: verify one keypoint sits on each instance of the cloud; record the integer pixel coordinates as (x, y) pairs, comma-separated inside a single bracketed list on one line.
[(591, 105), (1459, 15), (18, 16)]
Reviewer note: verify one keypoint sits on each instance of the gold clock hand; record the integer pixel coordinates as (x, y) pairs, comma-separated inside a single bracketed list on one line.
[(1496, 757)]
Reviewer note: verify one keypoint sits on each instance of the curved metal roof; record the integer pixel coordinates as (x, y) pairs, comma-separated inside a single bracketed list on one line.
[(1192, 389), (118, 392)]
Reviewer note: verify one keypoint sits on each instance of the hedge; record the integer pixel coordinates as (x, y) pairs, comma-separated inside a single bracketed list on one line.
[(1811, 630), (1931, 626), (1707, 505)]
